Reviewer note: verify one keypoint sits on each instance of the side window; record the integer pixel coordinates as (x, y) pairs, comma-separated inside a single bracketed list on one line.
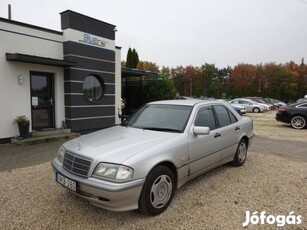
[(205, 118), (222, 115), (302, 106), (233, 119)]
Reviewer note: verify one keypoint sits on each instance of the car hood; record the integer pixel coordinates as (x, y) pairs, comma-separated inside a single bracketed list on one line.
[(117, 144)]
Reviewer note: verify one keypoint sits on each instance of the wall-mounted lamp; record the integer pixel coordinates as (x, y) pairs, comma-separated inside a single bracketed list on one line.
[(20, 79)]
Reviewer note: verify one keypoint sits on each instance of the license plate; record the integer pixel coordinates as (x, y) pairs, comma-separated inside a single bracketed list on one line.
[(66, 182)]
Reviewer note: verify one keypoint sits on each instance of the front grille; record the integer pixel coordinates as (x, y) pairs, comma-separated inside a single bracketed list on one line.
[(76, 165)]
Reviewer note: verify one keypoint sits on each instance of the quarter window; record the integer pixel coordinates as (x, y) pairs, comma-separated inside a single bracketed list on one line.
[(93, 88)]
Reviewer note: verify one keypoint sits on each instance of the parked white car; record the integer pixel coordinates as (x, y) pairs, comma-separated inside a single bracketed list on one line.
[(238, 108), (302, 99), (165, 144), (250, 105)]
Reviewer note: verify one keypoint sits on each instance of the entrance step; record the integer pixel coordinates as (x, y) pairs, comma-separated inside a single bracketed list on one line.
[(46, 136), (49, 132)]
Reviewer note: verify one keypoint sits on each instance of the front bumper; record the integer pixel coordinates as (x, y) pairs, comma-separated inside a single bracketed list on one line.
[(104, 194)]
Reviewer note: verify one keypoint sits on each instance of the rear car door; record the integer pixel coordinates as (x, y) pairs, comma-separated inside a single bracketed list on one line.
[(229, 131)]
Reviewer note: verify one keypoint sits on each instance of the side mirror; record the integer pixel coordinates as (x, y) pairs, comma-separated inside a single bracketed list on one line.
[(198, 130)]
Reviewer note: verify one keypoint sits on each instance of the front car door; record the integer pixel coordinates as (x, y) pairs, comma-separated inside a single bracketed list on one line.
[(203, 149)]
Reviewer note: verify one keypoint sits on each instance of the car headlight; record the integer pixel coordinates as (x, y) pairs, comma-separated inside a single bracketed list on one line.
[(113, 171), (61, 153)]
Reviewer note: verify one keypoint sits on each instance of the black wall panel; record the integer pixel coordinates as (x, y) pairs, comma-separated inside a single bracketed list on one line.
[(79, 75), (88, 51), (89, 112), (91, 124), (70, 19), (76, 87), (75, 100), (84, 63)]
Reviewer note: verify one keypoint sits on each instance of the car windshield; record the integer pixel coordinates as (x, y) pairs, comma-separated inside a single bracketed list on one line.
[(167, 118)]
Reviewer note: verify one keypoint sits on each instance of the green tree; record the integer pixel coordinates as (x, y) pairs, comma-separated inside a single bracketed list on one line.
[(135, 58), (210, 75), (178, 77), (159, 88), (132, 58)]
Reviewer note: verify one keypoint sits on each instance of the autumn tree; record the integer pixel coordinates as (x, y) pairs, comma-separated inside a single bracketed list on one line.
[(192, 75), (242, 78), (148, 66), (178, 76)]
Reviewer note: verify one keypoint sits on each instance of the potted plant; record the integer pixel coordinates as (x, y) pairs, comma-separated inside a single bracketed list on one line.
[(23, 125)]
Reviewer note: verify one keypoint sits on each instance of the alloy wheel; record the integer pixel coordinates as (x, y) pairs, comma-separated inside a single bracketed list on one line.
[(298, 122)]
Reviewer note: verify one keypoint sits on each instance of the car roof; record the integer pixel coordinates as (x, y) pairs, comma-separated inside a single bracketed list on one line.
[(190, 102), (298, 103), (243, 99)]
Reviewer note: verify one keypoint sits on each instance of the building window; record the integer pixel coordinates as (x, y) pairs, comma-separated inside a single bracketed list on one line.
[(93, 88)]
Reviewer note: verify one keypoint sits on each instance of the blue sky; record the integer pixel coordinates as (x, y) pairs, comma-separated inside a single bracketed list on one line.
[(179, 32)]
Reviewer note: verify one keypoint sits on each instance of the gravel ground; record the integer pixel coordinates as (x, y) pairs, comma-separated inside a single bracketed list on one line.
[(31, 199)]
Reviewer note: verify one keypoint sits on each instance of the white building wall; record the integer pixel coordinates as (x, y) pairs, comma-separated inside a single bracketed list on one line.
[(15, 98)]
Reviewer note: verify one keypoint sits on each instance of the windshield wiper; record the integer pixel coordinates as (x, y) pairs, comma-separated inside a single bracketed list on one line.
[(163, 129)]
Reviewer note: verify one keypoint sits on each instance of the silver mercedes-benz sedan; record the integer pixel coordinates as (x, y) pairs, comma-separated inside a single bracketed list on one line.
[(140, 163)]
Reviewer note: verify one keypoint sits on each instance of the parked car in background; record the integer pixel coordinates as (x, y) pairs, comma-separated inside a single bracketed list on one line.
[(302, 99), (250, 105), (295, 114), (239, 108), (140, 163), (275, 102), (261, 101)]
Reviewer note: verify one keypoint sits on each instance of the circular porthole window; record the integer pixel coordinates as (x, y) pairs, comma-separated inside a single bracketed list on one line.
[(93, 88)]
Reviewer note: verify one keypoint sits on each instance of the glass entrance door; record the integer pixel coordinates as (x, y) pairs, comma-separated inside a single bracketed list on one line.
[(42, 100)]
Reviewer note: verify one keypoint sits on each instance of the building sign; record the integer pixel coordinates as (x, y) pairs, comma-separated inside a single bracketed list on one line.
[(92, 40), (88, 39)]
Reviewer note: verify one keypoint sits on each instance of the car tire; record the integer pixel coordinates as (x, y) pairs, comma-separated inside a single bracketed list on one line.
[(241, 154), (298, 122), (256, 110), (158, 191)]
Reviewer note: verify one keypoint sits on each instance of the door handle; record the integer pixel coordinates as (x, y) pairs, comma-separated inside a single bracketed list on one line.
[(51, 101), (217, 135), (237, 128)]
